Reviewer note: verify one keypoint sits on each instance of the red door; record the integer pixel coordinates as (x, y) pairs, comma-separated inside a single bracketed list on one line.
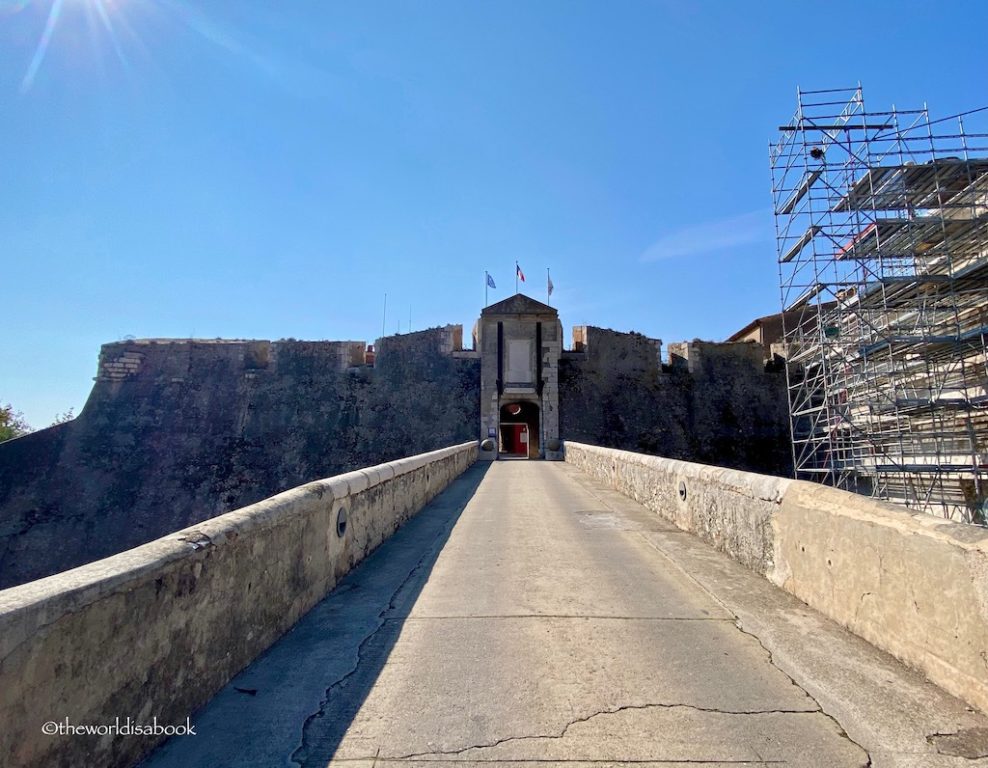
[(515, 437)]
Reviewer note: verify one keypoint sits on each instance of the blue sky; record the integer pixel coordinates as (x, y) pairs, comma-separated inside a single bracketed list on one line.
[(253, 169)]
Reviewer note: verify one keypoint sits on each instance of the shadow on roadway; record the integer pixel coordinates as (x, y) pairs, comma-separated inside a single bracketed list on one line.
[(294, 703)]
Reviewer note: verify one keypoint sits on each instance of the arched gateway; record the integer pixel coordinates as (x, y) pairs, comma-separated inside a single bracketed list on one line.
[(520, 343), (519, 431)]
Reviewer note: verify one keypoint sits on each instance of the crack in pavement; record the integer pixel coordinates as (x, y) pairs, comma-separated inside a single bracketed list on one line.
[(771, 658), (382, 622), (604, 712), (299, 758)]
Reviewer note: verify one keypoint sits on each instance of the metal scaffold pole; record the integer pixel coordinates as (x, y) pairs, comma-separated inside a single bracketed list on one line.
[(881, 223)]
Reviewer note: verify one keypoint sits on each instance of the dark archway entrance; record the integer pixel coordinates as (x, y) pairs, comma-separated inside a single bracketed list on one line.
[(519, 430)]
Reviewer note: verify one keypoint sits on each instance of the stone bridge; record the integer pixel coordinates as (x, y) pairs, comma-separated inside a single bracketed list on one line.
[(610, 609)]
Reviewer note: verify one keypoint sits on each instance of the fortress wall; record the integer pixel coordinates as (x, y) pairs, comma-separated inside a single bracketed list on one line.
[(911, 584), (422, 394), (624, 353), (157, 630), (739, 409), (179, 431), (714, 403)]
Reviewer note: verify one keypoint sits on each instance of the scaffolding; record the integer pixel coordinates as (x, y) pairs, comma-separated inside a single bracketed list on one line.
[(882, 234)]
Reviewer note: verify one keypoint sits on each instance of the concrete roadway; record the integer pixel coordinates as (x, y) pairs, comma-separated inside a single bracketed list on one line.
[(530, 615)]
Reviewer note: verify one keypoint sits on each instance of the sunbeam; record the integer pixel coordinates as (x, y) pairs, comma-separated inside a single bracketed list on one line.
[(105, 21), (104, 17), (109, 26), (42, 49)]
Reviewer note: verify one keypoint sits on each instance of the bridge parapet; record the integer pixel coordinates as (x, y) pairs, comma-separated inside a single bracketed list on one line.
[(155, 631), (911, 584)]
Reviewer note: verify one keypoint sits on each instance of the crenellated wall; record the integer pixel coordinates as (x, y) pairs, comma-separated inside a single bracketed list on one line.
[(157, 630), (715, 403)]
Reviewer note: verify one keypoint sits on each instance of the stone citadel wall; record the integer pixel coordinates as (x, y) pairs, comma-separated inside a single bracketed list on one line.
[(180, 431), (712, 403)]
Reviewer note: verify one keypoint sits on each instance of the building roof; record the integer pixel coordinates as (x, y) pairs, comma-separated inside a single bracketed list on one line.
[(754, 324), (776, 320), (519, 304)]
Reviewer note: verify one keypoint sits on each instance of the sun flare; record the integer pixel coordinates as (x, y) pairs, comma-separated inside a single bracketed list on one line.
[(106, 14)]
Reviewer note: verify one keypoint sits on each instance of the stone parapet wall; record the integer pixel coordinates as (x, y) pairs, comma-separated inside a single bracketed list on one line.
[(157, 630), (124, 359), (618, 350), (706, 358), (911, 584)]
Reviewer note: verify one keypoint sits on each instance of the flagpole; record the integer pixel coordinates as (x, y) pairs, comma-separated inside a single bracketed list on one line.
[(547, 281), (516, 276), (486, 275)]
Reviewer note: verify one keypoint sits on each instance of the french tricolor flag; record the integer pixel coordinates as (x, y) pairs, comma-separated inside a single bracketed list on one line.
[(519, 273)]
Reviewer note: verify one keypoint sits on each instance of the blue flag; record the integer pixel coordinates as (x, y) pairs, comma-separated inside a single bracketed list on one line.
[(490, 280)]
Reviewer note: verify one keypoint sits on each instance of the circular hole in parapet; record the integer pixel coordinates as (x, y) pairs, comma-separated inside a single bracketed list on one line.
[(341, 518), (682, 490)]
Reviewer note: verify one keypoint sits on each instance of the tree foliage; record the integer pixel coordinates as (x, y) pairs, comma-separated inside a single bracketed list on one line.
[(12, 423), (61, 418)]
